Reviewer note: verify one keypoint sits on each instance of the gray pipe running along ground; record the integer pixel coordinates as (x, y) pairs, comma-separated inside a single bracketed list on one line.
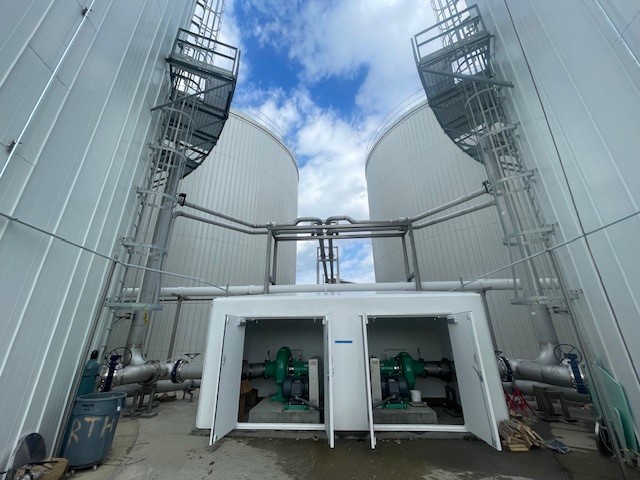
[(162, 386), (153, 371), (526, 387)]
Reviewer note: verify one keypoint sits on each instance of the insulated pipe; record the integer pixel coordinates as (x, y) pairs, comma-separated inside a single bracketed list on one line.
[(161, 387), (170, 293), (181, 213), (337, 218), (448, 205), (182, 371), (150, 287), (147, 373), (457, 214), (559, 375), (526, 387), (314, 220), (540, 316), (556, 374), (184, 203)]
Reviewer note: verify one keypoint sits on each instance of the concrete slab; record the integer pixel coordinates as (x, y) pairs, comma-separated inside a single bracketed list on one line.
[(422, 415), (162, 448), (267, 411)]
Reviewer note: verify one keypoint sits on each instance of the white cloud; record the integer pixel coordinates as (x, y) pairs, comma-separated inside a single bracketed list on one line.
[(340, 39)]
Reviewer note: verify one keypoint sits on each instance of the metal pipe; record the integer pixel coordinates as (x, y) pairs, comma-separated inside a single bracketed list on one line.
[(219, 214), (186, 371), (315, 220), (147, 373), (479, 285), (161, 387), (448, 205), (558, 374), (174, 330), (459, 213), (337, 218), (416, 273), (253, 370), (181, 213), (526, 387), (150, 287)]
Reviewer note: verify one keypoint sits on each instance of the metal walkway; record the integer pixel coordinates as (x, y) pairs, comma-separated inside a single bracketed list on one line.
[(454, 62), (203, 74)]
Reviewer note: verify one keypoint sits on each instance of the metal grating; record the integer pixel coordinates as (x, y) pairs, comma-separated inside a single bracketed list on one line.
[(453, 58), (203, 74), (209, 69)]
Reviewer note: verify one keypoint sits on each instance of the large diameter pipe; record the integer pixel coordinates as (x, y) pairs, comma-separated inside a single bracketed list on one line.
[(558, 374), (253, 370), (147, 373), (527, 387), (162, 386), (551, 374), (480, 285)]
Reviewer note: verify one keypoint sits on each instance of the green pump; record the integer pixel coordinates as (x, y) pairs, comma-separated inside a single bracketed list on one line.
[(284, 366), (403, 364)]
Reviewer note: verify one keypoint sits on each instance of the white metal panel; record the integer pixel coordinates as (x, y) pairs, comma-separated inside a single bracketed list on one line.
[(329, 424), (71, 175), (346, 308), (471, 363), (367, 376), (415, 167), (350, 391), (579, 122), (225, 416)]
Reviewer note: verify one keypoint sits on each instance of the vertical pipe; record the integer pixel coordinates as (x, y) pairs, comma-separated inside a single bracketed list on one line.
[(487, 314), (174, 330), (540, 316), (406, 257), (416, 273), (150, 289), (267, 268), (274, 266)]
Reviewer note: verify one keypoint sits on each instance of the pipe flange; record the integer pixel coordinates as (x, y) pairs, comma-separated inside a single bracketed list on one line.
[(507, 371), (175, 371)]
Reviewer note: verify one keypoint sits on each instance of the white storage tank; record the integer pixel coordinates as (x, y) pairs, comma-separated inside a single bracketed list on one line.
[(79, 124), (251, 175), (414, 167), (576, 96)]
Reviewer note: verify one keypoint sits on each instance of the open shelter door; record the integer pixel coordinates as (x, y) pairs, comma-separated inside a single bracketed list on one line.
[(328, 381), (472, 361), (225, 410)]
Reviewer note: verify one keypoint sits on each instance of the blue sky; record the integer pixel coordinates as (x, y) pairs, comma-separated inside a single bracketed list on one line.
[(327, 73)]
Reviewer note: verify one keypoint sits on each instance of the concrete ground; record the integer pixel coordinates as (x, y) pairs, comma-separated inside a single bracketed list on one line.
[(164, 447)]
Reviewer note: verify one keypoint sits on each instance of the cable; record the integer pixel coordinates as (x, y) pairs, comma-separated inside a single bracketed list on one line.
[(106, 257), (546, 250)]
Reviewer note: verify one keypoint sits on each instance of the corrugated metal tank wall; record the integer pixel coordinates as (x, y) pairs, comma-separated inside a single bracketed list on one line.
[(250, 175), (415, 167), (71, 175), (577, 97)]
